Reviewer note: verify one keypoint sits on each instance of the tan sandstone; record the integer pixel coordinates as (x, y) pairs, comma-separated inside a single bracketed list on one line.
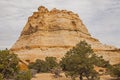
[(53, 33)]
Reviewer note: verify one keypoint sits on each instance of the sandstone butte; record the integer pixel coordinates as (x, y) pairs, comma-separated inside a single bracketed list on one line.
[(53, 33)]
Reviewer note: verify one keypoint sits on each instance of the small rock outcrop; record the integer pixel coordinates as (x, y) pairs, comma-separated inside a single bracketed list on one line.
[(53, 33)]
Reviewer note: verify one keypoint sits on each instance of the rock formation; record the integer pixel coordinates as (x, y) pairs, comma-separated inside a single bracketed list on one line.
[(53, 33)]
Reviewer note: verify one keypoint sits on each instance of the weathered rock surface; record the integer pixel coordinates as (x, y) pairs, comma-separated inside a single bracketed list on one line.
[(53, 33)]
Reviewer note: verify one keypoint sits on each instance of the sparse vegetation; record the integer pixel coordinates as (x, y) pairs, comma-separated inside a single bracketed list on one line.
[(23, 75), (80, 62), (56, 71), (114, 70), (9, 67), (8, 64), (43, 65), (51, 62), (39, 65), (1, 76)]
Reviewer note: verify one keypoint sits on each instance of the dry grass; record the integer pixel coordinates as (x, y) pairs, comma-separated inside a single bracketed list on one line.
[(49, 76)]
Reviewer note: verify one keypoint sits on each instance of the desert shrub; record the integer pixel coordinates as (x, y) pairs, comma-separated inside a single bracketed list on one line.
[(51, 62), (56, 71), (80, 61), (8, 64), (43, 65), (23, 75), (114, 70), (33, 72), (1, 77), (39, 65)]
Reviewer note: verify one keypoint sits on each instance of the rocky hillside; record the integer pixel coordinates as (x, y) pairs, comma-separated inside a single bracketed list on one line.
[(53, 33)]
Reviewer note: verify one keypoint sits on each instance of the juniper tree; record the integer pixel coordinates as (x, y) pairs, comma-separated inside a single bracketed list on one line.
[(80, 61)]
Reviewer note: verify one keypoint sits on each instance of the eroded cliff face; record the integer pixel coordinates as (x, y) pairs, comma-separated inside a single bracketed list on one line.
[(53, 33)]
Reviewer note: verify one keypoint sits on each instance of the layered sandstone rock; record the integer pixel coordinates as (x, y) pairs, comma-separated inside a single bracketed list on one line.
[(53, 33)]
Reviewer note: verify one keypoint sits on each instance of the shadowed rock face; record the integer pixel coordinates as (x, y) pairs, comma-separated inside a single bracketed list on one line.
[(53, 33)]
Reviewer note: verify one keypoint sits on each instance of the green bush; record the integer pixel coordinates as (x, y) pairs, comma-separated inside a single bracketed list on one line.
[(1, 77), (80, 61), (39, 65), (8, 64), (43, 66), (23, 75), (115, 70), (51, 62)]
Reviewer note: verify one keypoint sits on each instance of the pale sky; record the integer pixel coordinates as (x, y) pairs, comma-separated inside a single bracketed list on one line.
[(101, 17)]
